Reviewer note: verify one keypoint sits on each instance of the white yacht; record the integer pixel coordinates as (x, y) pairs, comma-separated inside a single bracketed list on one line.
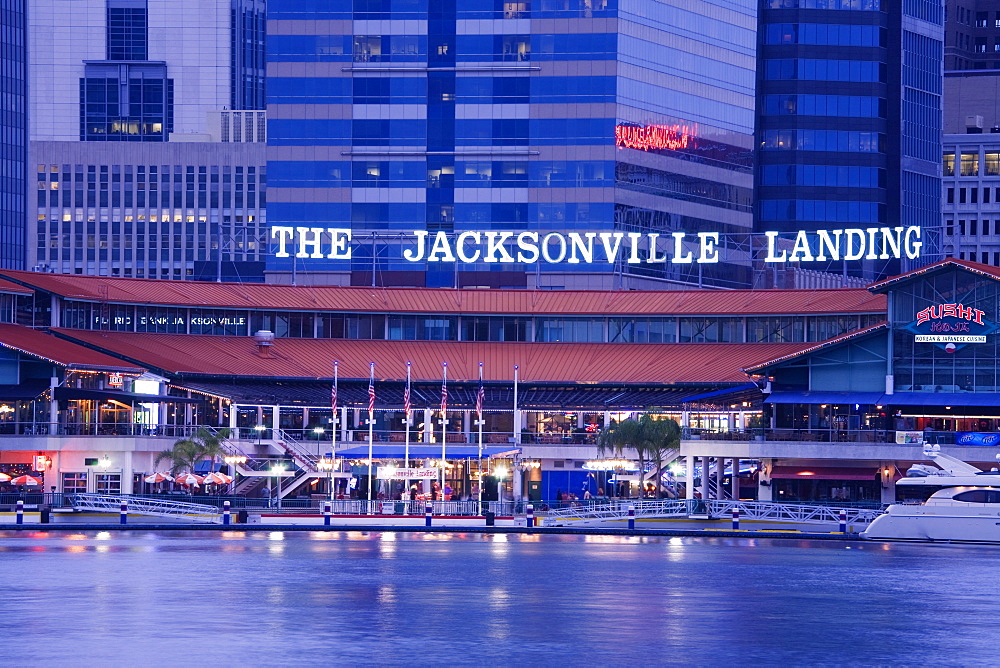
[(962, 503)]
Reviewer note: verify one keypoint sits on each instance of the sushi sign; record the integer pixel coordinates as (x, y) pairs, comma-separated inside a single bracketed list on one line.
[(951, 326)]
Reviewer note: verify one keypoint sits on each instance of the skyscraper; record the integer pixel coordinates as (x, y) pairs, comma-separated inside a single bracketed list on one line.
[(13, 132), (509, 122), (849, 119), (149, 142)]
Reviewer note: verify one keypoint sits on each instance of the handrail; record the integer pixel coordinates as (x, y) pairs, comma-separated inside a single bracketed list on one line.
[(753, 510), (305, 460), (145, 506)]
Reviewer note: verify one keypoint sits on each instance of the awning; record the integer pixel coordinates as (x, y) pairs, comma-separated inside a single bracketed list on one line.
[(28, 389), (821, 473), (864, 398), (71, 393), (956, 399), (425, 451)]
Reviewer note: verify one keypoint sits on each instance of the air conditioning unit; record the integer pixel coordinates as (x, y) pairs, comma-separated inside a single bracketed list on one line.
[(974, 122)]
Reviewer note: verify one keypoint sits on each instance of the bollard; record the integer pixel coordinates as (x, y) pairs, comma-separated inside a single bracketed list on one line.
[(326, 513), (631, 517), (529, 520), (124, 513), (428, 513), (227, 517), (20, 511), (843, 520), (736, 519)]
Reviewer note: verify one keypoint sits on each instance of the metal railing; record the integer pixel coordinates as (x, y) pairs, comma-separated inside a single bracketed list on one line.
[(819, 435), (137, 505), (721, 509)]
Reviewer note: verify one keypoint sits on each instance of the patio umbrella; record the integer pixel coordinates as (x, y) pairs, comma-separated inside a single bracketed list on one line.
[(188, 479), (25, 480), (217, 479), (4, 477), (158, 477)]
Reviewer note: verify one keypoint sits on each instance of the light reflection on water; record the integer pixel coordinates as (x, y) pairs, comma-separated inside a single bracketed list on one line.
[(298, 598)]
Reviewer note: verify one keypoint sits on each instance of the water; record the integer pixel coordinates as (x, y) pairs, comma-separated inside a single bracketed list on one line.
[(300, 599)]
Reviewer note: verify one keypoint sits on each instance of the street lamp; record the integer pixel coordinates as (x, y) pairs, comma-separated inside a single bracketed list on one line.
[(232, 461), (278, 470), (327, 465)]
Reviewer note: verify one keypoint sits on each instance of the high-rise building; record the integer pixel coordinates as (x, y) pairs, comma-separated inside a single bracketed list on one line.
[(139, 70), (549, 143), (849, 119), (972, 35), (13, 132), (149, 145)]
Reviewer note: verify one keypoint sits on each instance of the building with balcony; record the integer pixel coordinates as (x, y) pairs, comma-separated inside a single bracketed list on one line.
[(825, 395)]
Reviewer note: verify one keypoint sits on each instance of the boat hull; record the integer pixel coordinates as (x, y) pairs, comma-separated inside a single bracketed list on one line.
[(969, 524)]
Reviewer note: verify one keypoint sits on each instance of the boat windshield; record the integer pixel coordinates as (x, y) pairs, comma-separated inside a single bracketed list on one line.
[(979, 496)]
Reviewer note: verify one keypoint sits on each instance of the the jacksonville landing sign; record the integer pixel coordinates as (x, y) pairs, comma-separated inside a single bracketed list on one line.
[(529, 247)]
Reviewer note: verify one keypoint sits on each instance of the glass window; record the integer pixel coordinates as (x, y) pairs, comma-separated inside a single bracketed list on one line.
[(108, 483), (949, 164), (74, 483), (992, 164), (970, 164)]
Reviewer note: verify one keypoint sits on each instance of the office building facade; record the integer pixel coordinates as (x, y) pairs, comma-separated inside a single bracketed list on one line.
[(510, 121), (849, 119), (149, 149), (13, 132)]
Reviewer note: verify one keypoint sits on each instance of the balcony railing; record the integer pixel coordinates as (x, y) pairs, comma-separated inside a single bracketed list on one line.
[(821, 435)]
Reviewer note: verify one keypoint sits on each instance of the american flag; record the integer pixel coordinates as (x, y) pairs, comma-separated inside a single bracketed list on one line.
[(406, 393), (333, 391), (444, 390), (371, 390), (480, 395)]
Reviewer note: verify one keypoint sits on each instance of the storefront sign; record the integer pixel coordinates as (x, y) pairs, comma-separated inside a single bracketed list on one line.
[(531, 247), (951, 326), (115, 380), (977, 438), (910, 437), (394, 473), (656, 137)]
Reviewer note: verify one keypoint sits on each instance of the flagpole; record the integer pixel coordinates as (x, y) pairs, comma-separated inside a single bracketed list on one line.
[(444, 423), (479, 421), (406, 414), (333, 426), (371, 434)]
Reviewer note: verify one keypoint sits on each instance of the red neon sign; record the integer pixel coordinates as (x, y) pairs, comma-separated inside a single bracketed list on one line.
[(656, 137), (950, 311)]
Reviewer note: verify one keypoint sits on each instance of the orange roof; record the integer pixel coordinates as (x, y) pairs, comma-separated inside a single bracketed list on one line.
[(539, 362), (64, 353), (445, 300), (7, 286)]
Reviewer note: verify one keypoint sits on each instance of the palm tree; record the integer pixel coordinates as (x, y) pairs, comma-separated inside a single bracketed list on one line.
[(662, 436), (622, 436), (187, 452)]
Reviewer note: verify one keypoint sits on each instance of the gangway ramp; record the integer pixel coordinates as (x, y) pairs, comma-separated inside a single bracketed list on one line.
[(138, 505), (596, 513)]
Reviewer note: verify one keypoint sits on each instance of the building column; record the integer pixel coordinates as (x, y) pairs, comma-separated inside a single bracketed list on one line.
[(467, 425), (428, 425), (764, 490), (720, 470), (735, 480), (705, 473), (53, 407), (888, 483), (689, 477), (275, 421)]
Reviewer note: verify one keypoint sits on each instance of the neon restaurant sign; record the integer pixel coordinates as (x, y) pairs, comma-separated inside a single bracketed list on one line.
[(530, 247), (951, 326), (656, 137)]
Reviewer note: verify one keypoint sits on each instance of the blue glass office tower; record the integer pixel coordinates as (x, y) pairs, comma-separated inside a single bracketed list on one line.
[(849, 118), (13, 132), (608, 116)]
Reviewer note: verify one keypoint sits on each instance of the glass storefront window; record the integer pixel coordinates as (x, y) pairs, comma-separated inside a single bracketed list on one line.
[(74, 483), (109, 483)]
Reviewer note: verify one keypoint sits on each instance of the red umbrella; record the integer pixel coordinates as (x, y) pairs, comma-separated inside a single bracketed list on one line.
[(25, 480), (158, 477), (4, 477), (189, 479)]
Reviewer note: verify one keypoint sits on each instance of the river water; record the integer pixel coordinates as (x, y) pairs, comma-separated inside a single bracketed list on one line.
[(313, 598)]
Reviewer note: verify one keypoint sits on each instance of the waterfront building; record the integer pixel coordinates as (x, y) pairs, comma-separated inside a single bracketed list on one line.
[(830, 393), (147, 113), (13, 132), (506, 118), (849, 120)]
